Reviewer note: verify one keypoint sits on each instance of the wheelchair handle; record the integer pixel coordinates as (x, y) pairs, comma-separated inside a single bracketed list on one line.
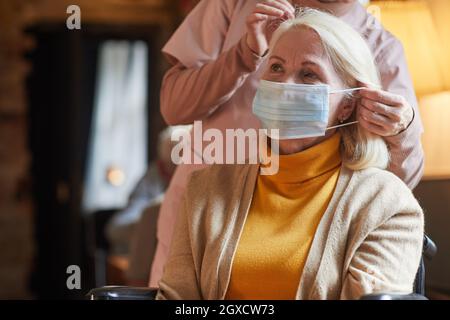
[(429, 247)]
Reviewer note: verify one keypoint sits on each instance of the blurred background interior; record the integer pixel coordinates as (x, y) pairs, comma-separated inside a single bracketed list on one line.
[(83, 150)]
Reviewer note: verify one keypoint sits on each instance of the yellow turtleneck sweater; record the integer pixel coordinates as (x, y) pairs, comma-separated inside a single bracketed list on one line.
[(285, 212)]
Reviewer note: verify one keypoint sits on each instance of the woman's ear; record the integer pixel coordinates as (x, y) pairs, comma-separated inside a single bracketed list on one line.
[(347, 108)]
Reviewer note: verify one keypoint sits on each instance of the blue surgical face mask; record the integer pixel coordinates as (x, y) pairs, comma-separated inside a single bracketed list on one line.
[(296, 110)]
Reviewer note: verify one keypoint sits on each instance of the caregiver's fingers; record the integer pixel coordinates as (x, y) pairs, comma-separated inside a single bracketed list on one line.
[(262, 8), (285, 5), (376, 118), (383, 97), (274, 8), (371, 127), (257, 17), (288, 6), (394, 113)]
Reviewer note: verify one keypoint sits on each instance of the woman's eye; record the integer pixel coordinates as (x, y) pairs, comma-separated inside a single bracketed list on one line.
[(308, 75), (276, 67)]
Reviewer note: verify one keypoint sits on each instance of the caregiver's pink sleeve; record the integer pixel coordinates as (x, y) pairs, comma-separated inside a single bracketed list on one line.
[(407, 158), (203, 77)]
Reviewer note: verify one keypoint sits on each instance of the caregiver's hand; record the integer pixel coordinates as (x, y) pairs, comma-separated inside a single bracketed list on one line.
[(260, 24), (384, 113)]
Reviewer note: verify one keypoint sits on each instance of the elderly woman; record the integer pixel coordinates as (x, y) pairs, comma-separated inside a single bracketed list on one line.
[(332, 223)]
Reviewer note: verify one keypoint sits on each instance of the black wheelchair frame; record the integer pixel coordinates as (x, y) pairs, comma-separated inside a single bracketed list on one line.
[(135, 293)]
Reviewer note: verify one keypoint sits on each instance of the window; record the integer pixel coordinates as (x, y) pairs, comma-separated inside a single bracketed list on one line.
[(118, 143)]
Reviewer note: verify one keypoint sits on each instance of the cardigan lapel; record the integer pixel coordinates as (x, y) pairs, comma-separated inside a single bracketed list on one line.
[(313, 264), (245, 190)]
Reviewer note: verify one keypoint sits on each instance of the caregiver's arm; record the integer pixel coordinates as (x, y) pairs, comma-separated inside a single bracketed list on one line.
[(388, 258), (398, 119), (203, 77), (190, 94), (179, 280)]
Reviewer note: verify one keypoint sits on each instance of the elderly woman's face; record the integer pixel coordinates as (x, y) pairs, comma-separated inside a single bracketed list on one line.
[(299, 57)]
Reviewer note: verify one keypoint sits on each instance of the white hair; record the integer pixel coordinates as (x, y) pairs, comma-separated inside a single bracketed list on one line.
[(354, 62)]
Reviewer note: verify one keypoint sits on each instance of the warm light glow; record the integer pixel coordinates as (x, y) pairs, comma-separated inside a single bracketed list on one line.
[(435, 112), (115, 176), (412, 22), (441, 17)]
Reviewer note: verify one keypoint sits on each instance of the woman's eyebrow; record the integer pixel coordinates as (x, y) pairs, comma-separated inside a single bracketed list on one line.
[(309, 62), (279, 58), (313, 64)]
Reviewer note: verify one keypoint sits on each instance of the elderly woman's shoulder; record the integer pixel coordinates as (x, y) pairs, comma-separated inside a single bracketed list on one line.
[(383, 184), (217, 176), (380, 195)]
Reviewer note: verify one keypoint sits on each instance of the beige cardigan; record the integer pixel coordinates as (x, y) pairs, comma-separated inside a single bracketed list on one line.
[(368, 240)]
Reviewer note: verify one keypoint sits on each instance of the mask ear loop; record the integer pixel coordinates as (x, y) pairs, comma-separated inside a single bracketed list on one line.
[(346, 90), (342, 125), (348, 123)]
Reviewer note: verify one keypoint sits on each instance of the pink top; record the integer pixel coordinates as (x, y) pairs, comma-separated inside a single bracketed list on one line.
[(214, 79)]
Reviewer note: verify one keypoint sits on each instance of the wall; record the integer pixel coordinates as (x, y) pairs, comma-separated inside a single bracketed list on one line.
[(441, 14), (434, 197), (15, 204)]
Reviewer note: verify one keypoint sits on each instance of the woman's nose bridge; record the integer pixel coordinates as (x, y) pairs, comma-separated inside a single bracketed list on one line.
[(291, 78)]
